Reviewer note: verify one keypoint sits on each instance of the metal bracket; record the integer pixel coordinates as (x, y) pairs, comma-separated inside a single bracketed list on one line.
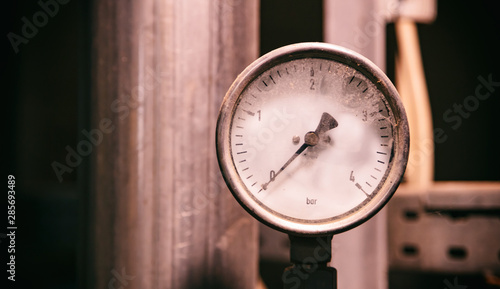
[(449, 227)]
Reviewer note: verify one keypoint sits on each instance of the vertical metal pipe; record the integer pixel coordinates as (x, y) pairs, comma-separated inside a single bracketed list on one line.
[(360, 255), (160, 213), (359, 25)]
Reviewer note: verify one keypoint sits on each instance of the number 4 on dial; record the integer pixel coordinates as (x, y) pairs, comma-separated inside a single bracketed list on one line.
[(351, 178)]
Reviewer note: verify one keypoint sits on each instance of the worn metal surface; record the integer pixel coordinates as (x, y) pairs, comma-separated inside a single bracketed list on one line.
[(450, 227), (161, 216)]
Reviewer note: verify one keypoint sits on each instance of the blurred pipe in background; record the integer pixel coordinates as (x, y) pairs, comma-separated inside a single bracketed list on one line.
[(160, 214), (360, 255)]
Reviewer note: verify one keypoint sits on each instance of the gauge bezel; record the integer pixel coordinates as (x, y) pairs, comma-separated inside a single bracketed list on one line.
[(359, 63)]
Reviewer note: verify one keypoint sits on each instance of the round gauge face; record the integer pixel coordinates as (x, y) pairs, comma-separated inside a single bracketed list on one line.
[(312, 139)]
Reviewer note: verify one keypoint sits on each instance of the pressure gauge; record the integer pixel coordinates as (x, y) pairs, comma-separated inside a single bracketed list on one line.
[(312, 139)]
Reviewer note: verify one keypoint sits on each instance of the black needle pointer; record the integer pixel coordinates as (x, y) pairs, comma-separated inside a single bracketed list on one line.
[(311, 138)]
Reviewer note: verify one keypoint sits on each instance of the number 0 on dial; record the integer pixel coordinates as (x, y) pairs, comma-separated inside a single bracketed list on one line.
[(312, 139)]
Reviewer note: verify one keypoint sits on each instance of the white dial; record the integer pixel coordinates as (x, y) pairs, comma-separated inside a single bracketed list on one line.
[(311, 141)]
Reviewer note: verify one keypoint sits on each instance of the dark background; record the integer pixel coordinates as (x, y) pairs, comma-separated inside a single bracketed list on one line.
[(45, 88)]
